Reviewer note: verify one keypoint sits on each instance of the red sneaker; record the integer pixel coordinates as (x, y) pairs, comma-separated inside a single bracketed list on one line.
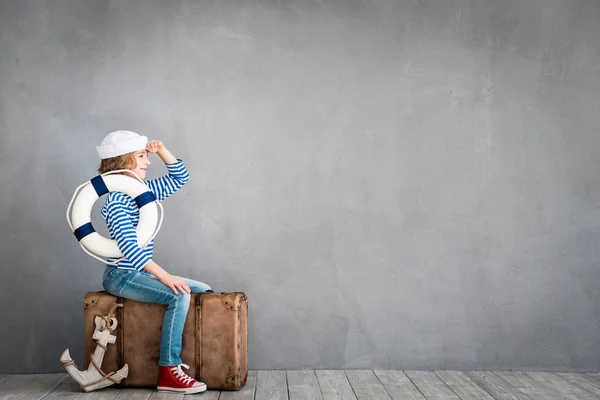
[(173, 379)]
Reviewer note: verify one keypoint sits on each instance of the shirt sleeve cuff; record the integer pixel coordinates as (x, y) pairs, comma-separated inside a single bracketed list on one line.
[(176, 164)]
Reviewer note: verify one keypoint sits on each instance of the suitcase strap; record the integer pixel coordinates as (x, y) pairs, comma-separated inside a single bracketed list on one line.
[(198, 334), (120, 334)]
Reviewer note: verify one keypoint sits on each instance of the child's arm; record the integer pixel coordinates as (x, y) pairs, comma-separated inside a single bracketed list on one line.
[(171, 281), (156, 146), (178, 175), (124, 233)]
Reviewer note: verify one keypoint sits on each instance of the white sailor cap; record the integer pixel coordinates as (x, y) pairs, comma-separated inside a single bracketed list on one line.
[(121, 142)]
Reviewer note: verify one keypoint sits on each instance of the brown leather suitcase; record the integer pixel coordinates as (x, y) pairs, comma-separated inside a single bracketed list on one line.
[(215, 338)]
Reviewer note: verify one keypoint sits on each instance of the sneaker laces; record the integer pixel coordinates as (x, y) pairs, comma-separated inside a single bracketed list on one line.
[(182, 376)]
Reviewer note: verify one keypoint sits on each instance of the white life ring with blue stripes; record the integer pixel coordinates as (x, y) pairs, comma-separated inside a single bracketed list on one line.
[(87, 194)]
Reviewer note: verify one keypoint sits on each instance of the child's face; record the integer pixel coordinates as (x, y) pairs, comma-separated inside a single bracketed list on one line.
[(141, 163)]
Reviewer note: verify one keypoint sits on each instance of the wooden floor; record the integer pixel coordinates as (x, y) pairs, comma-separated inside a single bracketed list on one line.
[(337, 384)]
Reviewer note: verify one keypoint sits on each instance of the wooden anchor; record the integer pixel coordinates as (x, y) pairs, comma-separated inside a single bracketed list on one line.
[(94, 378)]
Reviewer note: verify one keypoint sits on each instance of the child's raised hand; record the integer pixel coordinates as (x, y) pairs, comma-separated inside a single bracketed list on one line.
[(154, 146)]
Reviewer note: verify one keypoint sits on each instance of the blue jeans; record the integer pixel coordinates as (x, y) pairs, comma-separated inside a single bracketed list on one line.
[(144, 287)]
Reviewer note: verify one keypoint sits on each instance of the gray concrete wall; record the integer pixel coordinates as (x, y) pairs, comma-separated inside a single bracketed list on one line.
[(395, 184)]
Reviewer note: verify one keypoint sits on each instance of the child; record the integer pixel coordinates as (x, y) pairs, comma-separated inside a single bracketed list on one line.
[(138, 277)]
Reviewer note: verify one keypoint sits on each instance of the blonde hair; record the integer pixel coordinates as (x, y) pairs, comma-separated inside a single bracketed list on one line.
[(125, 161)]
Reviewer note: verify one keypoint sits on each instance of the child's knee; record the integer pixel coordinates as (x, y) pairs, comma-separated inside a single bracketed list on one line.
[(180, 299), (200, 287)]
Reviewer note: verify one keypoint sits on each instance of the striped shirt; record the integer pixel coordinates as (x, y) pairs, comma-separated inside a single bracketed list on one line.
[(122, 216)]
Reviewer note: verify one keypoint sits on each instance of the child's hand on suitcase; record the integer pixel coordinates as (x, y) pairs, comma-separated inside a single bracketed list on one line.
[(175, 284)]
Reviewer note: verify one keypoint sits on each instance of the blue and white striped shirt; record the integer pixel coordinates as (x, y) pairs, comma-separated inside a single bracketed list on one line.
[(122, 216)]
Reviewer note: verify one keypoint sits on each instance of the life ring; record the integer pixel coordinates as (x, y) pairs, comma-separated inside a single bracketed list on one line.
[(89, 192)]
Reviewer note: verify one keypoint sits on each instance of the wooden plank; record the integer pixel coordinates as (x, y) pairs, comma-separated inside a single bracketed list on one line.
[(108, 393), (351, 384), (567, 389), (29, 386), (366, 385), (245, 393), (166, 396), (303, 385), (398, 386), (583, 381), (509, 377), (271, 385), (496, 386), (134, 394), (334, 385), (211, 395), (432, 387), (67, 390), (535, 390), (463, 385)]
